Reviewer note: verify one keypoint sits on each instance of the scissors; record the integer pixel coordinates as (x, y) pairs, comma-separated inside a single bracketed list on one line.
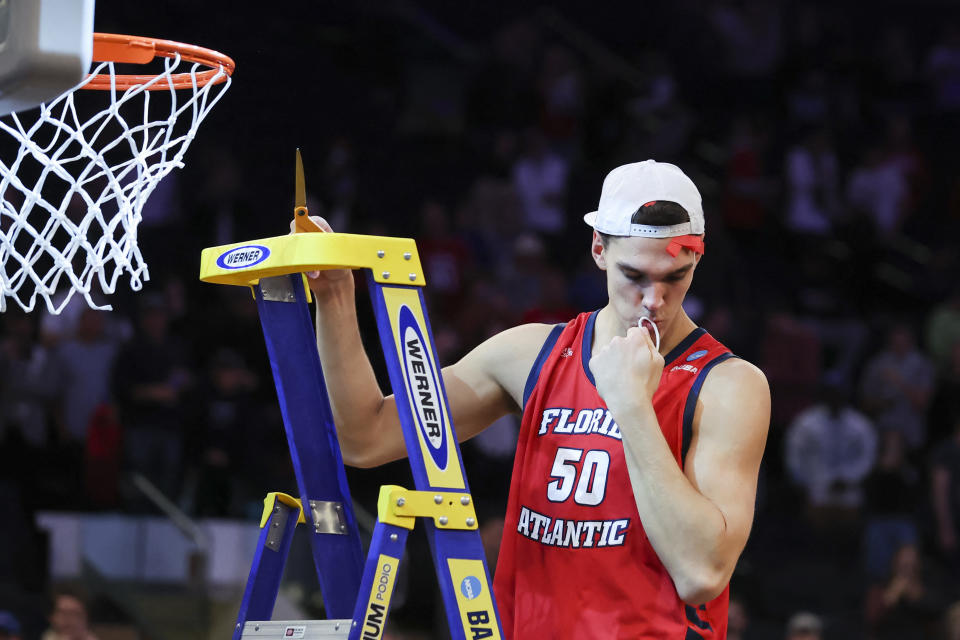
[(301, 214)]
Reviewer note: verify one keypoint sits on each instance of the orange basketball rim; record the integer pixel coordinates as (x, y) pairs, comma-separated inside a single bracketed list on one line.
[(109, 47)]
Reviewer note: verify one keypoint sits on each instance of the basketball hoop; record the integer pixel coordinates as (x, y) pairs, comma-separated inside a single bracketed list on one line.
[(72, 198)]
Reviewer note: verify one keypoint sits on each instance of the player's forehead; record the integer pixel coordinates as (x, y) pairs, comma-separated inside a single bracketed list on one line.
[(648, 255)]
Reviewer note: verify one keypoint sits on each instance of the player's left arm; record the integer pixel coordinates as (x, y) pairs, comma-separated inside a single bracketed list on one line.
[(729, 435), (697, 518)]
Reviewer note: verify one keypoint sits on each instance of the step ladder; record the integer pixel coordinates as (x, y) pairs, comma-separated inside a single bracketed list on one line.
[(356, 593)]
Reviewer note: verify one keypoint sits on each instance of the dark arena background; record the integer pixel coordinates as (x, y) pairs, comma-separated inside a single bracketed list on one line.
[(823, 137)]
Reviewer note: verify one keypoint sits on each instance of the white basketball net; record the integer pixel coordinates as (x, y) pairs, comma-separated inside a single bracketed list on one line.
[(71, 199)]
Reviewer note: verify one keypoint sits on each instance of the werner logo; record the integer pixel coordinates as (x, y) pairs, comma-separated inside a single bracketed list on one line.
[(423, 387), (242, 257)]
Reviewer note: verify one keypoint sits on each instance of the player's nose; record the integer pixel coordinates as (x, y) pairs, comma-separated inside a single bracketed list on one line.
[(653, 297)]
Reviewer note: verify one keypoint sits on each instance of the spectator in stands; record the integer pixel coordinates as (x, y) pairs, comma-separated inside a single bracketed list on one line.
[(68, 619), (896, 386), (943, 67), (738, 620), (813, 203), (943, 330), (945, 494), (907, 606), (892, 493), (945, 403), (561, 95), (520, 277), (553, 305), (149, 378), (878, 190), (790, 356), (445, 256), (9, 626), (84, 362), (830, 448), (540, 177), (26, 372), (951, 622), (903, 153), (749, 190), (750, 35), (224, 415), (809, 99), (805, 626)]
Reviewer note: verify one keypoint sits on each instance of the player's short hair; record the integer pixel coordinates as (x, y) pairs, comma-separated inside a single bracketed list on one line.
[(657, 214)]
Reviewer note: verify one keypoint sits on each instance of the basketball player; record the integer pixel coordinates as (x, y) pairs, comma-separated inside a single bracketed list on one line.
[(635, 475)]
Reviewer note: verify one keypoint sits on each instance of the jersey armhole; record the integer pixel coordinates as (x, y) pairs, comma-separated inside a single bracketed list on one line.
[(691, 405), (545, 350)]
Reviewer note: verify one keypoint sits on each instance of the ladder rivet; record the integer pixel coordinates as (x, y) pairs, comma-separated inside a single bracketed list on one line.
[(386, 275), (354, 623), (276, 524), (464, 500), (238, 625), (438, 499), (406, 255), (276, 509), (401, 502), (343, 527), (380, 253), (336, 627), (470, 522), (393, 537), (413, 277), (443, 520), (256, 627)]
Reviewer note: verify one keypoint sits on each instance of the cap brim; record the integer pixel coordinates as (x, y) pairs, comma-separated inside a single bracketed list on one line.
[(591, 219)]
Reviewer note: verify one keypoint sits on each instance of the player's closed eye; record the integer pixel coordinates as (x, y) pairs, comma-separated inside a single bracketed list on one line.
[(642, 278)]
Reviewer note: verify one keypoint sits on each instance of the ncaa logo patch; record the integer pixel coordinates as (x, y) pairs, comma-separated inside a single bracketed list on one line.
[(423, 387), (242, 257), (470, 587), (696, 355)]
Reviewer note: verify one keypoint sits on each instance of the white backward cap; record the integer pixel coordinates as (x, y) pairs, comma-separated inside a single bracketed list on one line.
[(629, 187)]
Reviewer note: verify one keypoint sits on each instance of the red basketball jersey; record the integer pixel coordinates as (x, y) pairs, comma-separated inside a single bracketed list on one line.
[(575, 561)]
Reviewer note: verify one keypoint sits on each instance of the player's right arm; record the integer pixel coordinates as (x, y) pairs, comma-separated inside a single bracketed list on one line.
[(483, 386)]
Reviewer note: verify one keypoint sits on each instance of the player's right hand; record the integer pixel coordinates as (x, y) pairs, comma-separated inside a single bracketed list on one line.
[(325, 281)]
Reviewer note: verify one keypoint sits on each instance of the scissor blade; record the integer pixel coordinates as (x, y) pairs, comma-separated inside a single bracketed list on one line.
[(300, 198), (300, 213)]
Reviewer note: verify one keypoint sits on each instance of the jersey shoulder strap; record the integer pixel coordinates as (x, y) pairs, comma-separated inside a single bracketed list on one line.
[(715, 352), (545, 351)]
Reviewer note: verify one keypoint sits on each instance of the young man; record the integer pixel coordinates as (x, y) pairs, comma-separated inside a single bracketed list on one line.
[(635, 476)]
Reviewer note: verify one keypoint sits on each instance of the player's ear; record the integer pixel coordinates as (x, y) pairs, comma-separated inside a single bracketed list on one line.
[(598, 251)]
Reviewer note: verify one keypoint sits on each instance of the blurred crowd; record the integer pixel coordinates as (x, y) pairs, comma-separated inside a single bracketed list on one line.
[(823, 141)]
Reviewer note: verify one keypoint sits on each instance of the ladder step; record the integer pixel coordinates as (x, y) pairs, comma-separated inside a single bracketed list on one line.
[(297, 629)]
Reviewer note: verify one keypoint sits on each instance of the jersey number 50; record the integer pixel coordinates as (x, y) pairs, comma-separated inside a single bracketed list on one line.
[(592, 483)]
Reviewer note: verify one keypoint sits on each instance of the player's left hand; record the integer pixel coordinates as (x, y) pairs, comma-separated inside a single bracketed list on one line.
[(627, 370)]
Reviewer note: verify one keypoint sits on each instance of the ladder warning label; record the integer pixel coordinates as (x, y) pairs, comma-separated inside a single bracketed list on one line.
[(297, 631)]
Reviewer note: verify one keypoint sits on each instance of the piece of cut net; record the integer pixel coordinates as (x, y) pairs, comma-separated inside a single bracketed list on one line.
[(73, 186)]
